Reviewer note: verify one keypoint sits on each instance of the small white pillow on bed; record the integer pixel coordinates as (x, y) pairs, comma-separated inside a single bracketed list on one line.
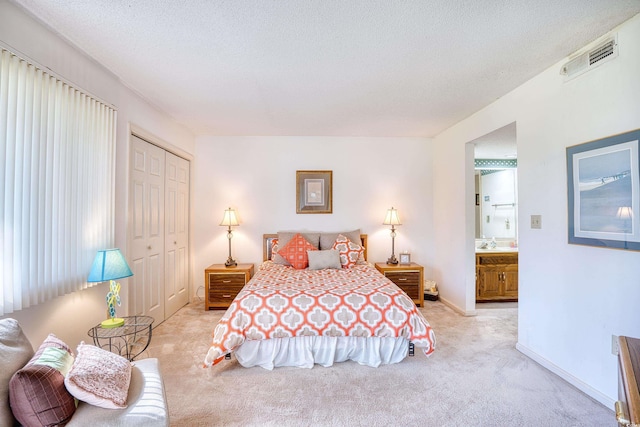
[(319, 260)]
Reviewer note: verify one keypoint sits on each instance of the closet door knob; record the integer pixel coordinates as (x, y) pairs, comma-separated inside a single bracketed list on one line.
[(149, 247)]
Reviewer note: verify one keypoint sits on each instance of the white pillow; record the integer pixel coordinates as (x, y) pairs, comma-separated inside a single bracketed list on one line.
[(99, 377), (319, 260)]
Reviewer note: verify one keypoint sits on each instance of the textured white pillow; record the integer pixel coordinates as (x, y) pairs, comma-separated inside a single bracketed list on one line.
[(99, 377), (319, 260)]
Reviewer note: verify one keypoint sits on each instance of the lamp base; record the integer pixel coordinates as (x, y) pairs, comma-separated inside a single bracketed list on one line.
[(112, 323), (230, 262), (392, 260)]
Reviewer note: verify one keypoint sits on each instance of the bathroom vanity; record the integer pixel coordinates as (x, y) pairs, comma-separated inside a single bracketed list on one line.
[(496, 275)]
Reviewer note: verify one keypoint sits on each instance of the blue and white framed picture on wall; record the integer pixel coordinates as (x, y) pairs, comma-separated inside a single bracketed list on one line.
[(603, 189)]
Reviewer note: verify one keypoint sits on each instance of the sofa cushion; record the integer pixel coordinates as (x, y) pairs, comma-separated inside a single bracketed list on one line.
[(146, 402), (99, 377), (37, 393), (15, 352)]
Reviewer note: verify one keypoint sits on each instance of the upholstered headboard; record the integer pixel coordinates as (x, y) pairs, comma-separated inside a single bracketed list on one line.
[(267, 243)]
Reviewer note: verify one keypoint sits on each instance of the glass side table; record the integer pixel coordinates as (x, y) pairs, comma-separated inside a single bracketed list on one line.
[(128, 340)]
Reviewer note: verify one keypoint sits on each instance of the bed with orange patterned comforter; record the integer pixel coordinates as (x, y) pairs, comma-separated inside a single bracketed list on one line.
[(329, 315)]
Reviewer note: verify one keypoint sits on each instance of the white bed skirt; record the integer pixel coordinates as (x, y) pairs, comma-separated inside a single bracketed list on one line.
[(304, 352)]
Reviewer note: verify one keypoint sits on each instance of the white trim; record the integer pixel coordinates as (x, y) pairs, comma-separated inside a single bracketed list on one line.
[(574, 381), (155, 140), (457, 309)]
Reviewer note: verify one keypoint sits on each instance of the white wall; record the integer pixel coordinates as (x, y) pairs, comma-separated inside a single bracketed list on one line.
[(257, 176), (572, 298), (500, 189), (72, 315)]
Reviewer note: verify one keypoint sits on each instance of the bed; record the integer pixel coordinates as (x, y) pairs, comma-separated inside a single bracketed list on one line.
[(292, 316)]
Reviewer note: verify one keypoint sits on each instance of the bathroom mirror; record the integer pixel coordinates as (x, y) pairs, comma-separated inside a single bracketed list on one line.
[(496, 183)]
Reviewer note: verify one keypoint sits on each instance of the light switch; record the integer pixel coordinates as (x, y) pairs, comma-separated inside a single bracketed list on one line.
[(536, 221)]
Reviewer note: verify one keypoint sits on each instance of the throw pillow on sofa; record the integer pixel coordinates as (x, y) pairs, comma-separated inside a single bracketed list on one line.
[(99, 377), (15, 352), (37, 393)]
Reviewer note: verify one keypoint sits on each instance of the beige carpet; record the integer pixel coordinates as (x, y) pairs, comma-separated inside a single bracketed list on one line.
[(474, 378)]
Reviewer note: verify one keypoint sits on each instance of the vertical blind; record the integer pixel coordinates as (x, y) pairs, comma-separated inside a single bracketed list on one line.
[(56, 184)]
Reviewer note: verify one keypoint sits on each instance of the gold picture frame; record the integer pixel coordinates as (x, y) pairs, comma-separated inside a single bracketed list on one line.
[(314, 192)]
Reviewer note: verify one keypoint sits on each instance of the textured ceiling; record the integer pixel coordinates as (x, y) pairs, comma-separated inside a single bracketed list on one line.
[(327, 67)]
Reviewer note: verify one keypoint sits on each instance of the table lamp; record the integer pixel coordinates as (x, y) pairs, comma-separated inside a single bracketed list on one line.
[(625, 213), (230, 219), (392, 219), (109, 264)]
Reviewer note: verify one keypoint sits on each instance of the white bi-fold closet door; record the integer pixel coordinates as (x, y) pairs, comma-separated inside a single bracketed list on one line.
[(159, 230)]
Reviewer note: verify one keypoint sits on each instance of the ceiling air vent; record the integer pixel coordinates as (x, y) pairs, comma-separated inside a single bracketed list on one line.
[(586, 61)]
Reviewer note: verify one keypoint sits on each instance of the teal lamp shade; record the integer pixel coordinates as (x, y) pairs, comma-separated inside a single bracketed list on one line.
[(110, 265)]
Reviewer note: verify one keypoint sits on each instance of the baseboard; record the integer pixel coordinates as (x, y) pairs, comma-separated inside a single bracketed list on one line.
[(458, 309), (577, 383)]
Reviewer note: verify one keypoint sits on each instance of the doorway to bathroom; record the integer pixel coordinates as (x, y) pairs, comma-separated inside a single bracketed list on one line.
[(496, 217)]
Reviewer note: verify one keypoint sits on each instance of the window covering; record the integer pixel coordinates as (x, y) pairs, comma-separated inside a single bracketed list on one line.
[(57, 160)]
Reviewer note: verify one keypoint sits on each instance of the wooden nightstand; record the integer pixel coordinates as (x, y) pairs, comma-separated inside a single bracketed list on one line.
[(409, 277), (224, 283)]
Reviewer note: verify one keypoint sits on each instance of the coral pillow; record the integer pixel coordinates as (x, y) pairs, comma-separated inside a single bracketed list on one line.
[(275, 256), (37, 393), (295, 251), (349, 252), (99, 377)]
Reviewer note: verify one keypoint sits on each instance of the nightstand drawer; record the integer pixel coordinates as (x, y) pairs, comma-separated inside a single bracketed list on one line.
[(223, 287), (223, 295), (226, 279), (404, 277), (408, 281)]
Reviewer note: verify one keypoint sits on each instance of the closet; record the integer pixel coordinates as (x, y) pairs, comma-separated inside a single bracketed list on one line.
[(158, 230)]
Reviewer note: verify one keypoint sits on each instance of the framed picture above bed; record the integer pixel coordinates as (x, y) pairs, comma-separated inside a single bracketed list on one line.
[(314, 192), (603, 180)]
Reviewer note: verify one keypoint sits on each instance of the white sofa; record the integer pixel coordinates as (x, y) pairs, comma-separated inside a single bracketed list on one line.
[(146, 400)]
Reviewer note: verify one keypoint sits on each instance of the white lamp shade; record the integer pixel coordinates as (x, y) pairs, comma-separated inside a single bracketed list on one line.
[(392, 217), (625, 212), (230, 219)]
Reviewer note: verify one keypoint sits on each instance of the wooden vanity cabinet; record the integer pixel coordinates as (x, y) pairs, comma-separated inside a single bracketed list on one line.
[(497, 276), (628, 404)]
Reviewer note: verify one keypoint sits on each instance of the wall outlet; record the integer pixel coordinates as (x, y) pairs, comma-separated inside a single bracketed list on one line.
[(614, 345), (536, 221)]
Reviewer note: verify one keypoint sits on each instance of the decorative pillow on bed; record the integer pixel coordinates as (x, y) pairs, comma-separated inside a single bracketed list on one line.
[(310, 236), (296, 251), (349, 252), (274, 248), (99, 377), (37, 393), (319, 260), (328, 239)]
